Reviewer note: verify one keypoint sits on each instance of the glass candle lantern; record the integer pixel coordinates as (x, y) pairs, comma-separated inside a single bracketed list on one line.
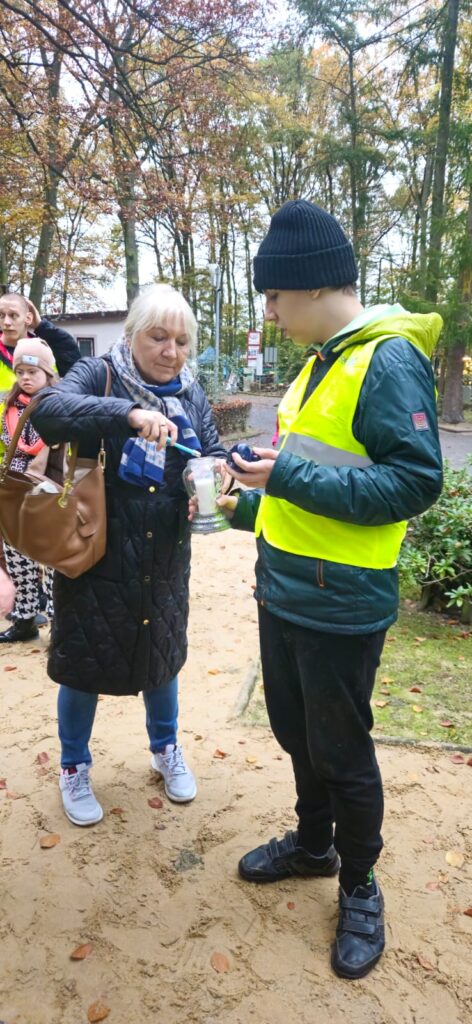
[(203, 480)]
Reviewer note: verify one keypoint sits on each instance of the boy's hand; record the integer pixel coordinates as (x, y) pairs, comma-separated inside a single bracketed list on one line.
[(255, 474), (34, 313)]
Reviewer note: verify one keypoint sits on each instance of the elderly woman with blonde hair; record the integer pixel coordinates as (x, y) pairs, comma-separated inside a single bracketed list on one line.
[(121, 627)]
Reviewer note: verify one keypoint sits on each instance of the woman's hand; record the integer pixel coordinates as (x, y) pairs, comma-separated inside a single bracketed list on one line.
[(153, 426), (255, 474), (7, 593)]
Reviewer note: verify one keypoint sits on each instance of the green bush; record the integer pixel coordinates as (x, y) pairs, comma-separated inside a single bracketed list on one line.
[(437, 553), (231, 416)]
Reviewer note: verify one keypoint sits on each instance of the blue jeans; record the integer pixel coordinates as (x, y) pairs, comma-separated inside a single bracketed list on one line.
[(76, 713)]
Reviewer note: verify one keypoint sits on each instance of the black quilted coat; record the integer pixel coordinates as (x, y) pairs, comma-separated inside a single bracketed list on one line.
[(121, 627)]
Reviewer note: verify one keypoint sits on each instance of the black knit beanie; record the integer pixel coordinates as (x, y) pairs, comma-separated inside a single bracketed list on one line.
[(304, 248)]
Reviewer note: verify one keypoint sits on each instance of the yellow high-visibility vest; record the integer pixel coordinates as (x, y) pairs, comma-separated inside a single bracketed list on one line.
[(322, 431), (7, 380)]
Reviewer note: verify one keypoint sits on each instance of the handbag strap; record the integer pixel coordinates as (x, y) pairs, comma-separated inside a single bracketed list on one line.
[(74, 448)]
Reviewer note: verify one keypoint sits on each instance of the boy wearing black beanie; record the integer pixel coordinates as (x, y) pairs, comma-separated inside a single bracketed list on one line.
[(358, 455)]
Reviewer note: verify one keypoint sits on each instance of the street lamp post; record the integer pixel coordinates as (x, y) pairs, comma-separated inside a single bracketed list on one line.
[(216, 280)]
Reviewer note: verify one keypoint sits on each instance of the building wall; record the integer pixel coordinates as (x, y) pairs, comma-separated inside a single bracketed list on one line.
[(104, 332)]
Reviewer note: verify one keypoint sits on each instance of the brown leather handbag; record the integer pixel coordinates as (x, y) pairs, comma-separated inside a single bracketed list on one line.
[(58, 523)]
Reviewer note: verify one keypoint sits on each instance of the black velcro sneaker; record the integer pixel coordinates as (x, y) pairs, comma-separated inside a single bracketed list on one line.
[(360, 935), (283, 858)]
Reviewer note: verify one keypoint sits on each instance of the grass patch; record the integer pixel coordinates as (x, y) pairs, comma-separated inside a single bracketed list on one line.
[(422, 650)]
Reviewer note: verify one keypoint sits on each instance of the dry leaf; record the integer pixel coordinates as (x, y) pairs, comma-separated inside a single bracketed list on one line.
[(198, 736), (12, 796), (416, 708), (220, 963), (455, 858), (214, 671), (420, 639), (46, 842), (415, 689), (117, 810), (96, 1012), (424, 963), (9, 668), (447, 724), (468, 912), (381, 703), (251, 760), (220, 753), (469, 762), (386, 693), (291, 906), (386, 681), (432, 886), (3, 783), (42, 758), (457, 759), (82, 952), (155, 802)]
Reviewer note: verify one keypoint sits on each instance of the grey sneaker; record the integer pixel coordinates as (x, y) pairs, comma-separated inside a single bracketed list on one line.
[(179, 782), (80, 804)]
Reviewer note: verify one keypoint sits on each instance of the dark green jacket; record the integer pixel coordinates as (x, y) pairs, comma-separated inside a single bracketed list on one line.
[(405, 479)]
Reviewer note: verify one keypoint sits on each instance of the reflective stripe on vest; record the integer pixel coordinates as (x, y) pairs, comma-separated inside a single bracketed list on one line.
[(321, 431), (323, 454)]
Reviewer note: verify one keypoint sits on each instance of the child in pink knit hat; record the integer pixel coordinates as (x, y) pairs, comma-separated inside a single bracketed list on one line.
[(34, 368)]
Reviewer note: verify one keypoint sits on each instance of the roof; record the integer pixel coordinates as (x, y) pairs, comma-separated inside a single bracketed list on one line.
[(98, 314)]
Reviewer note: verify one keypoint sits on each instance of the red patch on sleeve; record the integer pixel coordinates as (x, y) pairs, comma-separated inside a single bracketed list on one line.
[(420, 420)]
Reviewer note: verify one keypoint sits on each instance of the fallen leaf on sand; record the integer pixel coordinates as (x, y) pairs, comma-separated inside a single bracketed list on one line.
[(12, 796), (381, 703), (220, 963), (82, 951), (96, 1012), (468, 912), (455, 858), (46, 842), (198, 736), (42, 758), (251, 760), (117, 810), (220, 753), (3, 783), (291, 906), (469, 762), (214, 671), (424, 963), (432, 886), (9, 668), (155, 802), (457, 759)]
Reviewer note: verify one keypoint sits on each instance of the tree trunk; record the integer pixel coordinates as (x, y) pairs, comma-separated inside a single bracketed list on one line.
[(128, 224), (442, 146), (453, 403), (48, 227), (4, 283)]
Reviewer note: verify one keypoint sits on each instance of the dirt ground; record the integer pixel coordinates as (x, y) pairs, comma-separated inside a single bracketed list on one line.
[(155, 891)]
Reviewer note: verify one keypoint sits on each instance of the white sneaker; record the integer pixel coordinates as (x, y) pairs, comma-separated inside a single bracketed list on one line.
[(78, 798), (179, 782)]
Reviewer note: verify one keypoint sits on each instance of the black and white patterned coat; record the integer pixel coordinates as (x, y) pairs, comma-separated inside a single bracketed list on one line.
[(121, 627)]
